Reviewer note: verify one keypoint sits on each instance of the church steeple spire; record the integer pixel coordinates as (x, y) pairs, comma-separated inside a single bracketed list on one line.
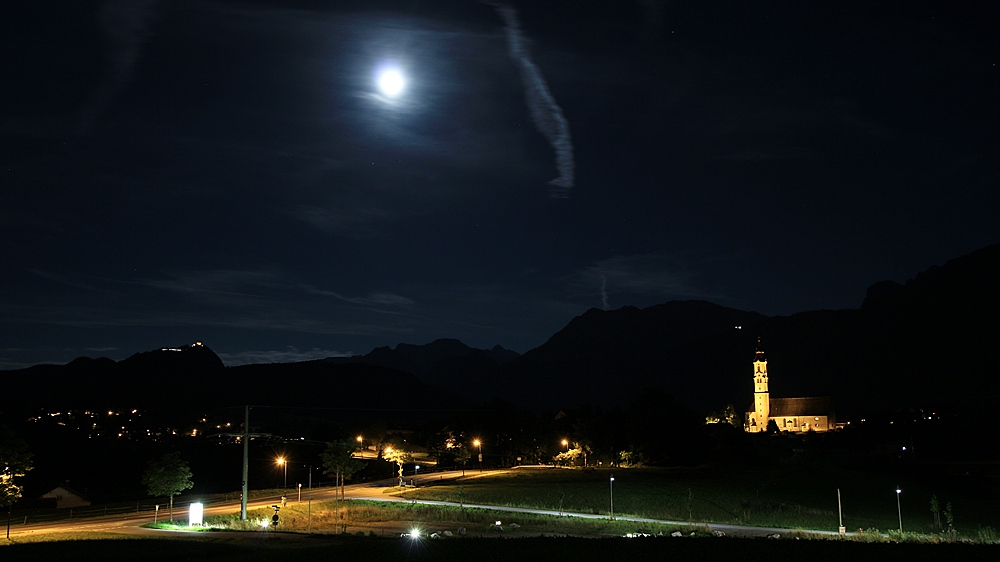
[(761, 396), (760, 352)]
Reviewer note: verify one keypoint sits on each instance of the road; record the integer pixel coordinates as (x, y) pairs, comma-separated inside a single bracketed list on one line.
[(375, 491)]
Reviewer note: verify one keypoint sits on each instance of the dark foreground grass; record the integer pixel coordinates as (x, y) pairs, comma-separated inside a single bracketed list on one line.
[(787, 496), (288, 548), (381, 518)]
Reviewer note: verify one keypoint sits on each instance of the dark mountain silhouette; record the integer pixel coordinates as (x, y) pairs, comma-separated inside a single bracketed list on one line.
[(611, 357), (445, 363), (193, 377), (926, 342), (146, 378), (920, 344)]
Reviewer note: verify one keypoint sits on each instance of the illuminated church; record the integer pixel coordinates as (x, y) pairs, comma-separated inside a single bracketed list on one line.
[(796, 415)]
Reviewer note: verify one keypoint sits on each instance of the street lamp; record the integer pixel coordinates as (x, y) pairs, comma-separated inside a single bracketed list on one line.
[(565, 443), (361, 444), (612, 490), (478, 443), (284, 465), (310, 504), (898, 510), (840, 514)]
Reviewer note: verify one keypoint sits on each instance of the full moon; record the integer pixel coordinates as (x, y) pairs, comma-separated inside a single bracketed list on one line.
[(391, 82)]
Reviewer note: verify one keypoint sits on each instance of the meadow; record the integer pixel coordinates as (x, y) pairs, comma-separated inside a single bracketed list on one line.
[(762, 497), (792, 497)]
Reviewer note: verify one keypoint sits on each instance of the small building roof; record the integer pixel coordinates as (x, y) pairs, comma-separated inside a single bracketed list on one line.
[(813, 406)]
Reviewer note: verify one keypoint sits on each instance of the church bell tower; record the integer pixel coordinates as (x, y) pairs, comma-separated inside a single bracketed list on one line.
[(761, 398)]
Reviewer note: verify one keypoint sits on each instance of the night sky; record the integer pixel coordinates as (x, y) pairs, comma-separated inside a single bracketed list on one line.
[(232, 173)]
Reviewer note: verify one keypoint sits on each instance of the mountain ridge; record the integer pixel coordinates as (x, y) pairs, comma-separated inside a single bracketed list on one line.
[(903, 336)]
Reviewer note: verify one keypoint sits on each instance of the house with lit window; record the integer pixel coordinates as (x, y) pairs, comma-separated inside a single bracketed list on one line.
[(795, 415)]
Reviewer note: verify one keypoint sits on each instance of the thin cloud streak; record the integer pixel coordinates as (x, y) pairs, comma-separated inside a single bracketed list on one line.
[(291, 354), (545, 112), (648, 274), (125, 24)]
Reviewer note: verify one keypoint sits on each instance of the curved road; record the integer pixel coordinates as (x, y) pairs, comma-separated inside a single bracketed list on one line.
[(375, 491)]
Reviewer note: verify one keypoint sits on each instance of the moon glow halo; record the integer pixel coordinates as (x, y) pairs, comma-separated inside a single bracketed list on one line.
[(391, 82)]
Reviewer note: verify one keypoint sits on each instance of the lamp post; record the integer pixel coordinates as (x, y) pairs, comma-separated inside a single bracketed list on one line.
[(284, 465), (310, 505), (565, 444), (479, 444), (361, 444), (612, 490), (898, 510), (840, 515)]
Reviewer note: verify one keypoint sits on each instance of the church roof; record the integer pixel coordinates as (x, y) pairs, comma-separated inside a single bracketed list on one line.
[(814, 406)]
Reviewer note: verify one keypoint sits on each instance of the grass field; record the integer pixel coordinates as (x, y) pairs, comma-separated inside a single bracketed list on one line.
[(390, 519), (794, 497), (805, 499)]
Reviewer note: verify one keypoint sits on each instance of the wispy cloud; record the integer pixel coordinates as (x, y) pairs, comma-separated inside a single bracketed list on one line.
[(236, 282), (357, 222), (372, 298), (217, 298), (545, 112), (125, 24), (651, 275), (290, 354)]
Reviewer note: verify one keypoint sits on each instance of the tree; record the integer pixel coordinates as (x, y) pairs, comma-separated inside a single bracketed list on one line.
[(462, 456), (15, 460), (936, 510), (338, 459), (727, 415), (399, 456), (168, 476), (570, 456)]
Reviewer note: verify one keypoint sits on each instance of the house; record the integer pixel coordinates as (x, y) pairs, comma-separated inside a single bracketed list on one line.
[(65, 497)]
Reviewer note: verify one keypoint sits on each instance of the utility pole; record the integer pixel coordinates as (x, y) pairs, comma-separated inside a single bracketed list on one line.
[(612, 492), (840, 513), (246, 462)]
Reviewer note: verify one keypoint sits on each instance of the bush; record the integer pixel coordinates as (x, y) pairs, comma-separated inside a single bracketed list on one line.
[(987, 535)]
